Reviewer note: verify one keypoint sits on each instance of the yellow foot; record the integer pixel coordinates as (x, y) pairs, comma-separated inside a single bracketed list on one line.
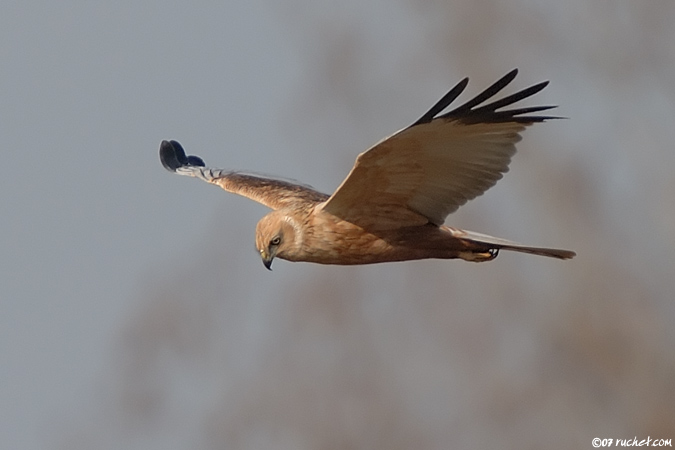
[(480, 256)]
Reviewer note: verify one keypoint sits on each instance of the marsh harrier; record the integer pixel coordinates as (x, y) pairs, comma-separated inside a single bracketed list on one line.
[(392, 205)]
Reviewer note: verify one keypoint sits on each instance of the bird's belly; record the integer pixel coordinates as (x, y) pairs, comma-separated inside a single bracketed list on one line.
[(348, 248), (348, 244)]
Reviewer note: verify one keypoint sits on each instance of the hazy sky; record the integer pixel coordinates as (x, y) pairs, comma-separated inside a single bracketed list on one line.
[(91, 223), (88, 90)]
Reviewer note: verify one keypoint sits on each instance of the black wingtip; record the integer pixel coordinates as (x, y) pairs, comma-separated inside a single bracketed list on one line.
[(443, 102), (470, 112), (172, 156)]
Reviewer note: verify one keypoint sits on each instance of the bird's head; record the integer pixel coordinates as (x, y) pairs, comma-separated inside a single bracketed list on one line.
[(277, 234)]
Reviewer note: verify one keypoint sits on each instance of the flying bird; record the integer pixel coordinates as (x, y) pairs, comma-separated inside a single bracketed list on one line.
[(393, 203)]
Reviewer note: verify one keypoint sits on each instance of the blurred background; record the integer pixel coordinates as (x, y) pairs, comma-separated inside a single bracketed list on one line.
[(135, 312)]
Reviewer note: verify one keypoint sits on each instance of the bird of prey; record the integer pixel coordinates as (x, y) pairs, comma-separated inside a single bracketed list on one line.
[(393, 203)]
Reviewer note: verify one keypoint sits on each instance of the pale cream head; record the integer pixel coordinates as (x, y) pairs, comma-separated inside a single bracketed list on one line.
[(277, 234)]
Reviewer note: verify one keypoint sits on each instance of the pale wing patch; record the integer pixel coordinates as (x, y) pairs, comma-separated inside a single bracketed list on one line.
[(460, 162), (424, 173), (372, 196)]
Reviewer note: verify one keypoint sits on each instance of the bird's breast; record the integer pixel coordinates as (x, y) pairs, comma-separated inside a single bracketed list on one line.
[(330, 240)]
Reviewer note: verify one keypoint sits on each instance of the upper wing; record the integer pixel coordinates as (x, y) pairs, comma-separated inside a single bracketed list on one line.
[(275, 194), (428, 170)]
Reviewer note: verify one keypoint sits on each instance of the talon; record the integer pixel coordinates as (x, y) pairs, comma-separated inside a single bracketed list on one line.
[(479, 256)]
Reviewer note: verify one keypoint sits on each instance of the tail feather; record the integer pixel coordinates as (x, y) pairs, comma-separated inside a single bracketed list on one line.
[(498, 243), (541, 251)]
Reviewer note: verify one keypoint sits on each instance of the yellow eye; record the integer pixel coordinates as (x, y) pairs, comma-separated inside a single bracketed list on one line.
[(275, 241)]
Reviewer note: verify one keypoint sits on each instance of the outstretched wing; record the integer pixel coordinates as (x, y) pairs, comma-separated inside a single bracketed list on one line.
[(428, 170), (275, 194)]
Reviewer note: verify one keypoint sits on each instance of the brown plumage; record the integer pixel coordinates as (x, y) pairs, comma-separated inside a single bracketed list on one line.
[(392, 205)]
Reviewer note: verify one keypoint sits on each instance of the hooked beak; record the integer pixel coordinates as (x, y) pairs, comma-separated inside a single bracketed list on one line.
[(266, 259)]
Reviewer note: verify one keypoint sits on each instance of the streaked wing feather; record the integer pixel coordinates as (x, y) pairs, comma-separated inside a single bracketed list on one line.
[(271, 192)]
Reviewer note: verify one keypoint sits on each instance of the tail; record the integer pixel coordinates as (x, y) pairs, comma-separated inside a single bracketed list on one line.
[(497, 243)]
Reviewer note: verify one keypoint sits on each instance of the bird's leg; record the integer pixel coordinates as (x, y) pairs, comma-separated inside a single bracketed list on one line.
[(480, 256)]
